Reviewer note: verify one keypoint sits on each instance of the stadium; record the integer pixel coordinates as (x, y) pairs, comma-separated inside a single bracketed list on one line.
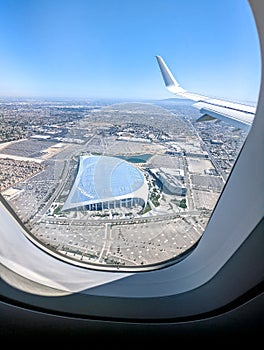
[(104, 182)]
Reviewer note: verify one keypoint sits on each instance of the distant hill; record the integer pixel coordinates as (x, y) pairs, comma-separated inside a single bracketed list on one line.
[(177, 100)]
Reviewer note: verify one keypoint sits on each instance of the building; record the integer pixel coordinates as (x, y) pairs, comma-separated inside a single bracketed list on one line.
[(104, 182), (171, 179)]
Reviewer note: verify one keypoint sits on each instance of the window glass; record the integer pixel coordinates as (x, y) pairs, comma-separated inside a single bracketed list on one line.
[(100, 162)]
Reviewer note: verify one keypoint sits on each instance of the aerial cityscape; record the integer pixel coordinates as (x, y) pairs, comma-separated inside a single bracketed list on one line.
[(113, 184)]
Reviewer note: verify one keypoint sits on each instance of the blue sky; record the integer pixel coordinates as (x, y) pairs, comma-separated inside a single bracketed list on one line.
[(104, 48)]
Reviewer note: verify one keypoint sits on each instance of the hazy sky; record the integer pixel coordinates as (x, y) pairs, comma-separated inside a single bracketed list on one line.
[(104, 48)]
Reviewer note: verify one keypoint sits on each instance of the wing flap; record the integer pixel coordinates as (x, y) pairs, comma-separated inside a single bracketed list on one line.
[(237, 118)]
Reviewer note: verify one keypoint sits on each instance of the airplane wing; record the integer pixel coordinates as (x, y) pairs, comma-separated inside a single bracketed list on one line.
[(238, 115)]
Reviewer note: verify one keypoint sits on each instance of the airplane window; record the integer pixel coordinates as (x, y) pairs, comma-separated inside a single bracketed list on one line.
[(98, 161)]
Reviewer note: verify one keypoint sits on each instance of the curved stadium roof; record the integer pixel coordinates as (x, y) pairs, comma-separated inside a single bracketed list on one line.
[(102, 178)]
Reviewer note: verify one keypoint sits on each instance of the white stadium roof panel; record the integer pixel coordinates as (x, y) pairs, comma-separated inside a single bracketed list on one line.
[(103, 178)]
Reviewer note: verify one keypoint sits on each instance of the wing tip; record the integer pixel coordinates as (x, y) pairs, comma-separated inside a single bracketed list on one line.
[(169, 80)]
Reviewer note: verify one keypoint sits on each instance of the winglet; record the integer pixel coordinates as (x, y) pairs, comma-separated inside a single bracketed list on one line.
[(171, 84)]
